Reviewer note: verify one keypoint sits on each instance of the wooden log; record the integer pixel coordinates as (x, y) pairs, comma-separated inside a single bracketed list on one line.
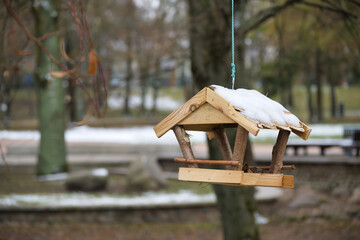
[(240, 146), (279, 151), (211, 162), (184, 144), (223, 143)]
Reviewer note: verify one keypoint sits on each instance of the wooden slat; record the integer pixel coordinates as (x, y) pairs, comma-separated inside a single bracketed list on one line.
[(225, 107), (305, 134), (262, 179), (233, 177), (288, 181), (279, 151), (210, 175), (206, 114), (240, 145), (182, 112)]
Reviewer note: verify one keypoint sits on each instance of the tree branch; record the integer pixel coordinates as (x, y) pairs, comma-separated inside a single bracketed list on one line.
[(38, 42), (329, 8), (263, 15)]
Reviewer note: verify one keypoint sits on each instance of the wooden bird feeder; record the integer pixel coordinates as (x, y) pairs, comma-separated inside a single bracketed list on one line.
[(208, 111)]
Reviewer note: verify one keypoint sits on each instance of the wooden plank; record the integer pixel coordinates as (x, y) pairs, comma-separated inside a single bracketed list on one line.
[(206, 114), (225, 107), (279, 151), (288, 181), (237, 178), (210, 175), (303, 134), (240, 145), (184, 144), (182, 112), (262, 179), (223, 143)]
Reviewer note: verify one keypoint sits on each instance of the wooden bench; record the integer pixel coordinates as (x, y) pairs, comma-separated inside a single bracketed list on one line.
[(346, 144)]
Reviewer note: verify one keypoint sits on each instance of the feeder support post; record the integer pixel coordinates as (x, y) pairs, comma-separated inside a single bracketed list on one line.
[(240, 146), (184, 143), (223, 143), (279, 151)]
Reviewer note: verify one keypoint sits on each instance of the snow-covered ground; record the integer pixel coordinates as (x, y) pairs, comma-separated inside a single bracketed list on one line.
[(162, 103), (85, 200), (146, 134)]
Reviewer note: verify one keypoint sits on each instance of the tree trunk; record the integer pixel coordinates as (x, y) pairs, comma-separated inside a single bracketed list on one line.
[(331, 77), (333, 99), (52, 152), (210, 43), (308, 82), (143, 78), (128, 74), (318, 79), (156, 85)]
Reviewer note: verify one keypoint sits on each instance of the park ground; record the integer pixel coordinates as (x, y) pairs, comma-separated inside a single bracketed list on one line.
[(333, 216), (327, 213)]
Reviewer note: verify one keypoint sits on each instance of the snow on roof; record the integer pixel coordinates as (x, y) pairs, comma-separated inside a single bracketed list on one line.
[(258, 108)]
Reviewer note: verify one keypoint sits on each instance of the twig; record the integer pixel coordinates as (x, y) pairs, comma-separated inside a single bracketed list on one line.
[(38, 42), (4, 158)]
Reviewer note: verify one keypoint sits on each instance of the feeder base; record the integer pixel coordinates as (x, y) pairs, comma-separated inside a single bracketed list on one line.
[(236, 178)]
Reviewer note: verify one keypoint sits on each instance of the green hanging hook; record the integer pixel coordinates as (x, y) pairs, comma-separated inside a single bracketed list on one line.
[(232, 45)]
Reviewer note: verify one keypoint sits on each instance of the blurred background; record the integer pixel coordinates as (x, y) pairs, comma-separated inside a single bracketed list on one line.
[(83, 83)]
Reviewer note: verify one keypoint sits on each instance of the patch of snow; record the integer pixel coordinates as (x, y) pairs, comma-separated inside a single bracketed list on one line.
[(162, 103), (100, 172), (83, 200), (133, 135), (260, 219), (92, 200), (53, 177), (268, 193), (258, 107)]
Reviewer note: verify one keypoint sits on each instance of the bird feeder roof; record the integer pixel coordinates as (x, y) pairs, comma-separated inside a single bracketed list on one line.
[(216, 105)]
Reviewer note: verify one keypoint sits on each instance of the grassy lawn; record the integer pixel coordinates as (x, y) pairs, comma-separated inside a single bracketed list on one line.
[(20, 182)]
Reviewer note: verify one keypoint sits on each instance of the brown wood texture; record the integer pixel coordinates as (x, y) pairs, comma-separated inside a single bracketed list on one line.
[(240, 145), (211, 162), (288, 181), (171, 120), (279, 151), (303, 134), (233, 177), (210, 175), (185, 145), (206, 114), (207, 127), (223, 144), (267, 168)]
